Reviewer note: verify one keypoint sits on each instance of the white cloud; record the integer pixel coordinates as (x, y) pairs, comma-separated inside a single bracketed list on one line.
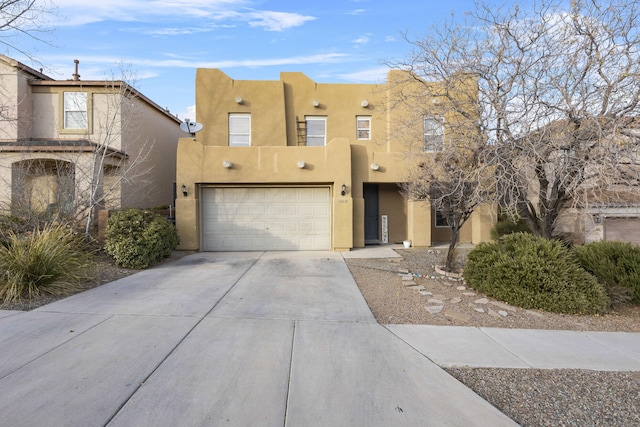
[(372, 75), (188, 113), (277, 21), (356, 12), (363, 39), (82, 12), (112, 61)]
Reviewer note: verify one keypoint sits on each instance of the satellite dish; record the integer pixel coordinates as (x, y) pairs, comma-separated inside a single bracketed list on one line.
[(191, 127)]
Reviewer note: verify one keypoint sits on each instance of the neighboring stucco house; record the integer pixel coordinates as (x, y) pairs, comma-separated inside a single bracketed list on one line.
[(65, 144), (292, 164)]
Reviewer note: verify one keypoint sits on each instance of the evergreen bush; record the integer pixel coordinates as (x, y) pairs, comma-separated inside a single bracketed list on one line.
[(53, 260), (616, 265), (138, 238), (532, 272)]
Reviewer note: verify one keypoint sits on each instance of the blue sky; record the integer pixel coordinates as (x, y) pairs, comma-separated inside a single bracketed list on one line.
[(162, 42)]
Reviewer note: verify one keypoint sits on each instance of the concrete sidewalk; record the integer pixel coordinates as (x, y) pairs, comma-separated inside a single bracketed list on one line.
[(455, 346), (237, 339)]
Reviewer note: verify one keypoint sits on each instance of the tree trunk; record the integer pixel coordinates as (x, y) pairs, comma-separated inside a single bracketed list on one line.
[(451, 252)]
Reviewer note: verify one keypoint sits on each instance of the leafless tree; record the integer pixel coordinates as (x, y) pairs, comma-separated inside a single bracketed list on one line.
[(558, 99), (455, 182)]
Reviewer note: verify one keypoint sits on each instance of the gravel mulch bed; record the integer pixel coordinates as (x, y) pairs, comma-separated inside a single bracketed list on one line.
[(531, 397)]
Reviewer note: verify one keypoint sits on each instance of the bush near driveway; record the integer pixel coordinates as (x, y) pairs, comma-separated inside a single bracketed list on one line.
[(54, 260), (617, 267), (138, 238), (533, 272)]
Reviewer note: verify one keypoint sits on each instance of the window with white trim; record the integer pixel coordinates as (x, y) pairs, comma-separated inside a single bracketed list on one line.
[(433, 133), (363, 127), (75, 110), (316, 131), (239, 130)]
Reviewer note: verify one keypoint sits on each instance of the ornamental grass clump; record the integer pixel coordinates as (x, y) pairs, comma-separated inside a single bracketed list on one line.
[(53, 260), (616, 265), (138, 239), (536, 273)]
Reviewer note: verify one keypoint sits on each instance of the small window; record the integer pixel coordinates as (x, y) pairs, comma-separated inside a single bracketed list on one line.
[(433, 133), (75, 110), (363, 127), (316, 131), (440, 220), (239, 130)]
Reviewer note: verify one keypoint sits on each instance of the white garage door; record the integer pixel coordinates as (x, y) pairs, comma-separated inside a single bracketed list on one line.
[(623, 229), (266, 218)]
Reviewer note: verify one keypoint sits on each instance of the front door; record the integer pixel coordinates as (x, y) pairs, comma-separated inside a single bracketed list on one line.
[(371, 213)]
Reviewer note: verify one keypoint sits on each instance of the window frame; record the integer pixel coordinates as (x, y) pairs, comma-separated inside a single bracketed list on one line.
[(433, 136), (239, 134), (438, 215), (363, 129), (322, 119), (66, 126)]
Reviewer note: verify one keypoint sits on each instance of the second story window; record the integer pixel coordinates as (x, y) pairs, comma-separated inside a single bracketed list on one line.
[(239, 130), (363, 127), (433, 133), (75, 110), (316, 131)]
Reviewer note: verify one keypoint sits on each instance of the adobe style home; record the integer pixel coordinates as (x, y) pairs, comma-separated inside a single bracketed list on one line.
[(293, 164), (64, 143)]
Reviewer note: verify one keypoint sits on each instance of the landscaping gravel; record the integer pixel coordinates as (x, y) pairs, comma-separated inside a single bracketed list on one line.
[(531, 397)]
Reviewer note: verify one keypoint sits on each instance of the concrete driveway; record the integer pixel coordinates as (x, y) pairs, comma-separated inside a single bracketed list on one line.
[(238, 339)]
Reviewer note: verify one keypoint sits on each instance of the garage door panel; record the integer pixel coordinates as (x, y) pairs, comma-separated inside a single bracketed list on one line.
[(625, 229), (287, 218)]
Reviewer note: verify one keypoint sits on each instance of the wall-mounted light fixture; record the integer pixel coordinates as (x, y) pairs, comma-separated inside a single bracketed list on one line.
[(316, 103), (227, 164), (364, 103), (301, 164), (239, 99), (184, 190), (375, 166), (344, 189)]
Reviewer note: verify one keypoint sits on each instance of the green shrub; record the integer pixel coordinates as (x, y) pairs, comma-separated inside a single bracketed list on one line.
[(54, 260), (138, 239), (505, 225), (532, 272), (616, 265)]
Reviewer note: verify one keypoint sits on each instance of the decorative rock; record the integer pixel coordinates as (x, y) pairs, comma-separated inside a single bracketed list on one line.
[(469, 294), (454, 314), (535, 313), (503, 313), (441, 297), (455, 300), (491, 312), (403, 271), (461, 288), (503, 305), (407, 277), (482, 301), (409, 283), (425, 293), (434, 301), (418, 288), (434, 309), (432, 277), (478, 309)]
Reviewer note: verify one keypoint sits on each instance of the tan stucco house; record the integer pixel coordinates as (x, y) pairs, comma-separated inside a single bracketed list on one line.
[(293, 164), (66, 143)]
